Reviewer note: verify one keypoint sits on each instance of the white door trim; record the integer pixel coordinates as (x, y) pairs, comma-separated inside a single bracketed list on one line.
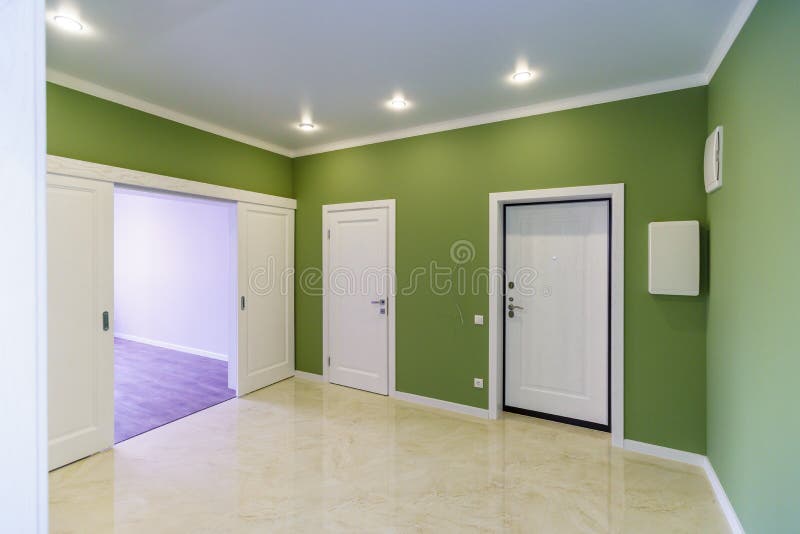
[(614, 192), (118, 175), (327, 210), (23, 277), (62, 166)]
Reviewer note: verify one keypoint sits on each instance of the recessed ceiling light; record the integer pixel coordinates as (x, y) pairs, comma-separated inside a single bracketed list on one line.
[(522, 76), (306, 126), (68, 23), (398, 103)]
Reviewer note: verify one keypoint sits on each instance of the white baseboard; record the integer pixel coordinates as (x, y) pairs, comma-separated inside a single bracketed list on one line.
[(308, 376), (700, 461), (173, 346), (722, 498), (658, 451), (441, 404), (416, 399), (677, 455)]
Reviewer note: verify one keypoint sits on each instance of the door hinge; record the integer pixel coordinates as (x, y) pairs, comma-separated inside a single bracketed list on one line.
[(329, 361), (329, 233)]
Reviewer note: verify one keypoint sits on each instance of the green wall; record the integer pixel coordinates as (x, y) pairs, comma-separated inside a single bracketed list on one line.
[(84, 127), (652, 144), (753, 349), (442, 181)]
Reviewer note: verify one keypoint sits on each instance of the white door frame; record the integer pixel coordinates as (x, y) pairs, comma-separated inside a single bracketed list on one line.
[(614, 192), (59, 165), (23, 278), (148, 180), (327, 210)]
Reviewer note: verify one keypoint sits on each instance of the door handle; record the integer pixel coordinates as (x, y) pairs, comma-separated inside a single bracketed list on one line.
[(381, 302), (512, 307), (105, 321)]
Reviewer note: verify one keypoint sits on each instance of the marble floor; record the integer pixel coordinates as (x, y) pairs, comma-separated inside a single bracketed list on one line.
[(301, 456)]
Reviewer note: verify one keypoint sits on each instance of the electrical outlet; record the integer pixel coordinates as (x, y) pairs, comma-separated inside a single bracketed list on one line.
[(477, 382), (479, 319)]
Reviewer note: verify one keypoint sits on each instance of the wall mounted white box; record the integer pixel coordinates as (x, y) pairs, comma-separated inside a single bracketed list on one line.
[(674, 261), (712, 161)]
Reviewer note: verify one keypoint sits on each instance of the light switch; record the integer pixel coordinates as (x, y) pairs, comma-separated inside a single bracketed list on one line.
[(479, 319)]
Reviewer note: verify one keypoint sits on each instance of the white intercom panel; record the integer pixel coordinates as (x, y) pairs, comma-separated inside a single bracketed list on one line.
[(674, 259)]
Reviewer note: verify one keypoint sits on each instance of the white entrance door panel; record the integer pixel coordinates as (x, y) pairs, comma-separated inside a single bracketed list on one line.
[(557, 338), (358, 289), (266, 296), (80, 289)]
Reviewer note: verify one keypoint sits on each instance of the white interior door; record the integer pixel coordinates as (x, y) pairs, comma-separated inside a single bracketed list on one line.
[(358, 297), (266, 296), (80, 271), (557, 333)]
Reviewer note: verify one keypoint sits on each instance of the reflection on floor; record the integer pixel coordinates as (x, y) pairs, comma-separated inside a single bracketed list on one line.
[(310, 457), (155, 386)]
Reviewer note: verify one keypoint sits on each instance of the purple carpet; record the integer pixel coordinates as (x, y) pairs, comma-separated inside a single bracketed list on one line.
[(155, 386)]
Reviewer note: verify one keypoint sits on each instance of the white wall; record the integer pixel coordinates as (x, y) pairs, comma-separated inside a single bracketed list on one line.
[(23, 276), (173, 270)]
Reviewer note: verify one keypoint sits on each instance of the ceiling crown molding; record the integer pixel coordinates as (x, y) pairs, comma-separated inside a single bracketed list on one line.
[(735, 25), (602, 97), (728, 37), (71, 82), (737, 21)]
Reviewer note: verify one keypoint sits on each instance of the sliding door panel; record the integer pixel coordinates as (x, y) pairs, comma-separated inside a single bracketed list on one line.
[(266, 296), (80, 252)]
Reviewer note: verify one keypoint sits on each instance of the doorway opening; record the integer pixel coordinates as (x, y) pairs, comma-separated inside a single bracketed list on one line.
[(557, 330), (614, 194), (358, 302), (253, 326), (174, 331)]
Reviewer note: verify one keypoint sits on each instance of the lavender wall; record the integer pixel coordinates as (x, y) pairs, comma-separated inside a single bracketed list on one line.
[(174, 270)]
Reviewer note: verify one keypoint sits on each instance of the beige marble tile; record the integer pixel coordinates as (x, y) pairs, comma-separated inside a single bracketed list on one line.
[(301, 456)]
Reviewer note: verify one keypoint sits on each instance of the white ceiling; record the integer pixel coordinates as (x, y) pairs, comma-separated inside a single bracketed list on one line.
[(253, 68)]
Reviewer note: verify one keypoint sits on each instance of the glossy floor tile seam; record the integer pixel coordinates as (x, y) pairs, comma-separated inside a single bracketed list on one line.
[(302, 456)]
